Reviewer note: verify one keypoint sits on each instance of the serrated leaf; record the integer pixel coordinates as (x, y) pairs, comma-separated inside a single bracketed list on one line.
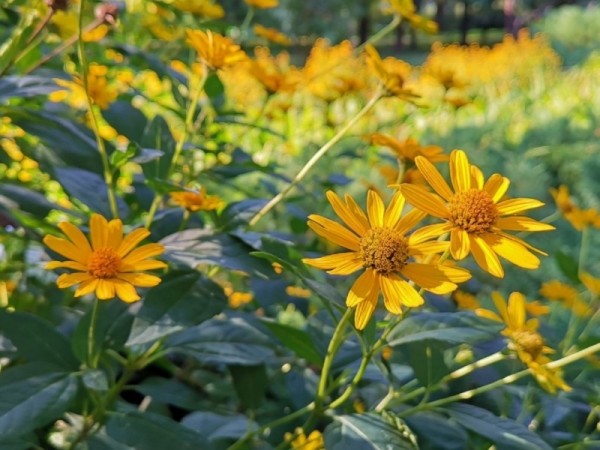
[(182, 300), (505, 433), (296, 340)]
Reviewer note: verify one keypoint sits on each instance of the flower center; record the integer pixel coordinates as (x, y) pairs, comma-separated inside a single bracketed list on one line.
[(104, 263), (473, 211), (384, 250), (529, 341)]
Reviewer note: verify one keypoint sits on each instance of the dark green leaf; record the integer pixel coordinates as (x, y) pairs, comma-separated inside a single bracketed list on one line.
[(24, 86), (95, 380), (182, 300), (26, 200), (215, 427), (506, 434), (568, 266), (126, 119), (170, 392), (448, 434), (365, 432), (298, 341), (36, 340), (157, 136), (427, 361), (250, 383), (31, 396), (239, 213)]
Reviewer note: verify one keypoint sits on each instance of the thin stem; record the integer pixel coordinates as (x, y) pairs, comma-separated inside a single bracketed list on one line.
[(112, 200), (40, 27), (246, 23), (91, 332), (381, 33), (312, 161)]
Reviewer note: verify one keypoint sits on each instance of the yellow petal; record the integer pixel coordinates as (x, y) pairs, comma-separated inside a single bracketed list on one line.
[(408, 295), (391, 294), (460, 171), (394, 211), (76, 236), (143, 252), (485, 257), (114, 234), (86, 287), (427, 248), (349, 267), (455, 274), (433, 177), (516, 310), (361, 288), (409, 221), (522, 242), (429, 277), (344, 213), (66, 265), (496, 186), (500, 304), (488, 314), (105, 289), (428, 232), (357, 211), (517, 205), (459, 244), (131, 240), (522, 223), (512, 251), (68, 280), (476, 177), (98, 231), (364, 310), (334, 232), (420, 198), (330, 261), (125, 291), (65, 248), (140, 266), (375, 209), (140, 279)]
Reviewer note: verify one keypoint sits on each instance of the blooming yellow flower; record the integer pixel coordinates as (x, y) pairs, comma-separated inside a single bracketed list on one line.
[(262, 4), (379, 244), (99, 90), (410, 148), (274, 73), (579, 218), (525, 339), (464, 300), (299, 441), (474, 214), (196, 201), (205, 8), (273, 35), (406, 9), (391, 72), (215, 50), (556, 290), (107, 263)]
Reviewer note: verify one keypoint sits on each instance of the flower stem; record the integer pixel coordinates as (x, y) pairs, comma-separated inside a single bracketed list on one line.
[(92, 360), (246, 23), (314, 159), (381, 33)]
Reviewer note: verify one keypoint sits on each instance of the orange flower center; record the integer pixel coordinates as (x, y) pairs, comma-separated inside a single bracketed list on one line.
[(384, 250), (529, 341), (104, 263), (473, 211)]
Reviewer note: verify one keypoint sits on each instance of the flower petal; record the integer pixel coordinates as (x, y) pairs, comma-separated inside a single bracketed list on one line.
[(143, 252), (393, 211), (409, 221), (69, 279), (459, 244), (496, 186), (361, 288), (420, 198), (331, 261), (476, 177), (522, 223), (344, 213), (98, 231), (140, 266), (460, 171), (375, 209), (391, 294), (66, 265), (429, 277), (428, 232), (333, 232), (65, 248), (131, 240), (433, 177), (357, 211), (500, 304), (408, 295), (105, 290), (428, 248), (485, 257), (364, 310), (512, 251), (114, 234), (140, 279), (76, 236), (517, 205), (455, 274), (516, 310), (349, 267), (125, 291), (488, 314), (86, 287)]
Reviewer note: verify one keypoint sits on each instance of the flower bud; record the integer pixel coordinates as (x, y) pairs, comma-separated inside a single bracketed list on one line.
[(107, 12)]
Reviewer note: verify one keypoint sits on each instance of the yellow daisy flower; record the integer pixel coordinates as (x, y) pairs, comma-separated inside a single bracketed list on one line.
[(525, 339), (558, 291), (262, 4), (379, 244), (391, 72), (410, 148), (98, 87), (108, 263), (215, 50), (474, 214), (196, 201)]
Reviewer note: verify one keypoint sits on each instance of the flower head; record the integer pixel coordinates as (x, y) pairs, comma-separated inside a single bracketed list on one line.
[(274, 72), (474, 214), (299, 440), (196, 201), (410, 148), (579, 218), (568, 295), (380, 245), (391, 72), (98, 88), (262, 4), (107, 263), (215, 50), (272, 35), (524, 339)]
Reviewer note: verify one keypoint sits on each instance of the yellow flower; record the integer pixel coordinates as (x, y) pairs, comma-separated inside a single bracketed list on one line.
[(591, 283), (299, 441), (555, 290), (379, 245), (525, 339), (410, 148), (237, 299), (579, 218), (274, 73), (297, 291), (464, 300), (215, 50), (101, 93), (205, 8), (406, 9), (108, 263), (196, 201), (263, 4), (474, 214), (68, 26), (391, 72), (273, 35), (562, 198)]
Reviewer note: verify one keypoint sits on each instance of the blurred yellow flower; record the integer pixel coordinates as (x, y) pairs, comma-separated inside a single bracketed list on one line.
[(215, 50), (274, 73), (410, 148), (579, 218), (591, 283), (297, 291), (205, 8), (196, 201), (262, 4), (272, 35), (299, 441), (464, 300), (107, 263), (237, 299), (406, 9), (556, 290), (379, 245), (391, 72), (474, 214), (525, 340), (99, 90), (67, 23)]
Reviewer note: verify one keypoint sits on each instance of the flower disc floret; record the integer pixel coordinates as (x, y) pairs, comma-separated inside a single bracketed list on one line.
[(384, 250), (528, 341), (473, 211), (104, 263)]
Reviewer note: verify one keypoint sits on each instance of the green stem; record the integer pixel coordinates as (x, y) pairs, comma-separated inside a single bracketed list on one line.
[(112, 200), (92, 360), (246, 23), (312, 161), (381, 33)]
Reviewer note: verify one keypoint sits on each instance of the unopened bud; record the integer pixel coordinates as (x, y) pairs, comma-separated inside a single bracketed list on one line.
[(57, 5), (107, 12)]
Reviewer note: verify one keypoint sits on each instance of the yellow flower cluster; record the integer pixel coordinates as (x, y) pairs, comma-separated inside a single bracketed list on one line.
[(101, 92)]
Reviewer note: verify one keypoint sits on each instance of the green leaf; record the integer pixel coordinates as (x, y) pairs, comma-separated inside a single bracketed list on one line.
[(239, 213), (148, 431), (447, 329), (126, 119), (214, 427), (182, 300), (568, 266), (157, 136), (32, 396), (365, 432), (427, 361), (170, 391), (218, 341), (24, 86), (298, 341), (505, 433), (10, 49), (95, 380), (448, 434), (214, 87), (26, 200), (250, 383), (36, 340)]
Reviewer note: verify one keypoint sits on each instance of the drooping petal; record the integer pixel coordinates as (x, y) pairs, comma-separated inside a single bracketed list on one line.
[(485, 257), (408, 295), (76, 236), (434, 178), (460, 171), (429, 277), (393, 211), (364, 310), (140, 279), (69, 279), (459, 244), (143, 252), (517, 205), (361, 288), (420, 198), (114, 234), (98, 231), (488, 314), (65, 248), (429, 232), (512, 251), (375, 209), (496, 186), (125, 291), (344, 213), (131, 240), (500, 304), (331, 261), (334, 232), (409, 221), (86, 287), (105, 289), (522, 223), (66, 265), (391, 294), (516, 310)]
